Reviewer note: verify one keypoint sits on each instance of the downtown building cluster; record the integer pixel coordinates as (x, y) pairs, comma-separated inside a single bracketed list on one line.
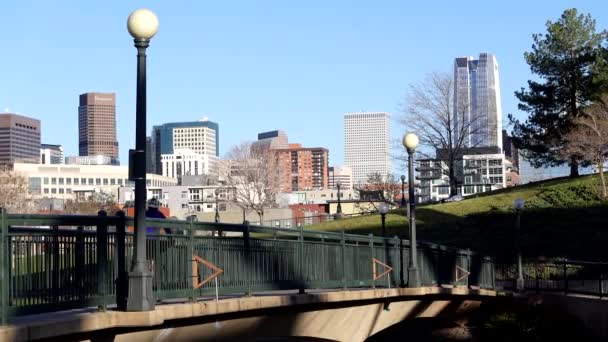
[(183, 160)]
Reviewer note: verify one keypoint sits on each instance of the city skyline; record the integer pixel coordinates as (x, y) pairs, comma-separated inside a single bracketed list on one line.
[(236, 73)]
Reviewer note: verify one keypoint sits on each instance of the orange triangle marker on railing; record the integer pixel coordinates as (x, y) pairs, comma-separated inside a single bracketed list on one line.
[(387, 267), (217, 270), (466, 273)]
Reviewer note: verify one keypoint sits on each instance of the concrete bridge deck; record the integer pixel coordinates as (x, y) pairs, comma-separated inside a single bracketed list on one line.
[(336, 315)]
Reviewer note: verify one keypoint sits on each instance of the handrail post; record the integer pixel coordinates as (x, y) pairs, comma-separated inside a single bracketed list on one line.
[(397, 253), (102, 256), (122, 280), (401, 268), (301, 262), (4, 265), (192, 271), (80, 258), (55, 272), (470, 267), (565, 277), (343, 245), (371, 246), (247, 245), (601, 287), (537, 279)]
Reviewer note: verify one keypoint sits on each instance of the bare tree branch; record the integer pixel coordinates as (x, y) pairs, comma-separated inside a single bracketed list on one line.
[(441, 128), (589, 138), (252, 173), (14, 194)]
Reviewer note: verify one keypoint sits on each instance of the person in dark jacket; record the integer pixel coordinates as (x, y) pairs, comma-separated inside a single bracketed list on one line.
[(155, 245), (153, 212)]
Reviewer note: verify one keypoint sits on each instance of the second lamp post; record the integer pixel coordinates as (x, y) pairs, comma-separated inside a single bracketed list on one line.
[(410, 141), (383, 210)]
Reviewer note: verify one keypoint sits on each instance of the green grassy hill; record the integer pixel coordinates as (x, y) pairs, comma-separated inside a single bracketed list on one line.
[(563, 217)]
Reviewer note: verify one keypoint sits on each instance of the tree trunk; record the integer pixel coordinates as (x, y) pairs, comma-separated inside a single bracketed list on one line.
[(573, 168), (602, 180), (453, 187), (261, 215)]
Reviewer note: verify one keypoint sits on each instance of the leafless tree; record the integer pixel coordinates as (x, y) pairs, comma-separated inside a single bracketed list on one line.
[(589, 138), (443, 129), (253, 175), (379, 187), (92, 205), (14, 191)]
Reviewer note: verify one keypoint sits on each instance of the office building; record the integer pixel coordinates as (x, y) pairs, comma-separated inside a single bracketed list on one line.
[(272, 140), (51, 154), (302, 168), (19, 139), (477, 105), (97, 125), (342, 175), (150, 163), (367, 144), (199, 137)]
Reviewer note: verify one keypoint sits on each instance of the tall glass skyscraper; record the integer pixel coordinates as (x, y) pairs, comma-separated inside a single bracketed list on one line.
[(477, 105)]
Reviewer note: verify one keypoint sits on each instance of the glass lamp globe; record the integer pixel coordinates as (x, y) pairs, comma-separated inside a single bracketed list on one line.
[(383, 208), (410, 141), (142, 24)]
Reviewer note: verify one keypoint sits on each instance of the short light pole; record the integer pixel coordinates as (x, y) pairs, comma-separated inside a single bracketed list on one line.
[(383, 210), (339, 208), (217, 208), (518, 206), (410, 141), (142, 25), (403, 203)]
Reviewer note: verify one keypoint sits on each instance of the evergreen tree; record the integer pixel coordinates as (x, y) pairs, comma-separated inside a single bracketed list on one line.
[(570, 63)]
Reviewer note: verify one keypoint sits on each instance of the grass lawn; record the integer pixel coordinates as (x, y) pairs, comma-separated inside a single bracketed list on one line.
[(563, 217)]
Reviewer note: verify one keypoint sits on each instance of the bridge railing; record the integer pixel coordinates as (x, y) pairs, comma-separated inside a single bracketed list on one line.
[(52, 263), (565, 276)]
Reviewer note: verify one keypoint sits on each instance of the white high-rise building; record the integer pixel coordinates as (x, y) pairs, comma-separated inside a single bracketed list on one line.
[(367, 146), (477, 105), (187, 162)]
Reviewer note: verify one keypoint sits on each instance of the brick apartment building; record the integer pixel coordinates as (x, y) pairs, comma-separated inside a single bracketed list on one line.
[(302, 168)]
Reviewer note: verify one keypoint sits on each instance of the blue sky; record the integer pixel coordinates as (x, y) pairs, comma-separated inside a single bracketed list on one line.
[(254, 66)]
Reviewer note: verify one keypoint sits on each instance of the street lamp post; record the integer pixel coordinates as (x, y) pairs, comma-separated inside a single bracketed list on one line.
[(518, 206), (142, 25), (217, 208), (410, 141), (383, 210), (339, 208), (403, 191)]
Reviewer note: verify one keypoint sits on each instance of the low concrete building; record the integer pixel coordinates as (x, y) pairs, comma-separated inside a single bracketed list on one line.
[(317, 196), (80, 181)]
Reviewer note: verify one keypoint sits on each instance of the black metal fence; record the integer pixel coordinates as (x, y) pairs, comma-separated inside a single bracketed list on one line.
[(51, 263), (576, 277)]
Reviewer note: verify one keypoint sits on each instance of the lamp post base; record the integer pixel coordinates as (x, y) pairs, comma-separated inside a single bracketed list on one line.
[(141, 295), (519, 285), (413, 277)]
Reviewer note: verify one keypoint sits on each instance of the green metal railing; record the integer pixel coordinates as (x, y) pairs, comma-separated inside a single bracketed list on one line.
[(52, 263)]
